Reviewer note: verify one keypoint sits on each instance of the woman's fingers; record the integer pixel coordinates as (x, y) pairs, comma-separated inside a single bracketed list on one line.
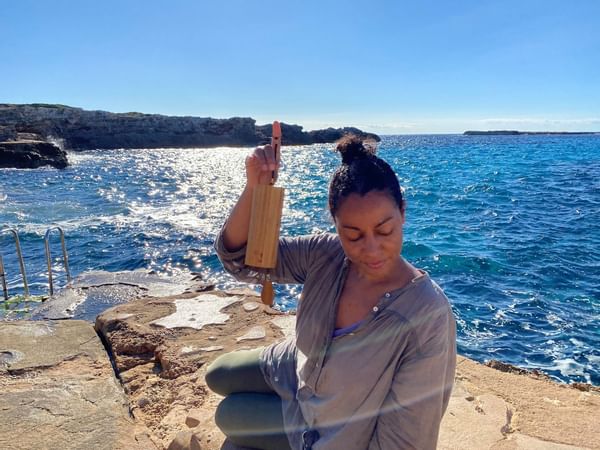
[(272, 160), (266, 156), (260, 164)]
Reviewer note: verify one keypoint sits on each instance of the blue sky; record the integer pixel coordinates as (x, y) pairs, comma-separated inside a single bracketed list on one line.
[(385, 66)]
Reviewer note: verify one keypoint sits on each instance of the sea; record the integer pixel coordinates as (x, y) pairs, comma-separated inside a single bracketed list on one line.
[(508, 226)]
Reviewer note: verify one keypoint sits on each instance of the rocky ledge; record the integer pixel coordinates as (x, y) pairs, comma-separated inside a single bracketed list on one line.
[(31, 154), (78, 129), (160, 349)]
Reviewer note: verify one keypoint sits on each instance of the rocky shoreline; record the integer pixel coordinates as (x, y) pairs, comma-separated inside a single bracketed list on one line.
[(57, 378), (31, 154), (76, 129)]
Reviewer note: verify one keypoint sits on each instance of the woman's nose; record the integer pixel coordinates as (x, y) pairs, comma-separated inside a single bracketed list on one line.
[(370, 244)]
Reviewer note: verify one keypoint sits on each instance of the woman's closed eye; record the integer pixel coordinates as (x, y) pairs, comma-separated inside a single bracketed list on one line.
[(385, 231), (354, 237)]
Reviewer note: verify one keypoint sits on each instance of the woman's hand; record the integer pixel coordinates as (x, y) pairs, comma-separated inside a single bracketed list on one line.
[(260, 165)]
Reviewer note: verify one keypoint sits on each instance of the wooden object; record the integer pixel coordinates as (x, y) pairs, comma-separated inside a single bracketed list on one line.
[(265, 220), (263, 235)]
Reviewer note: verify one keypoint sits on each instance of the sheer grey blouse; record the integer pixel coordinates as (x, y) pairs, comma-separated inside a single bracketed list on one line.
[(386, 384)]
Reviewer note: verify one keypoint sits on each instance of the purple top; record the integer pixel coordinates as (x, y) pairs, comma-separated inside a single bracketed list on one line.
[(349, 329)]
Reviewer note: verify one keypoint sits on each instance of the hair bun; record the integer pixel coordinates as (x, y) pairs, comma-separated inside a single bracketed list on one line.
[(351, 147)]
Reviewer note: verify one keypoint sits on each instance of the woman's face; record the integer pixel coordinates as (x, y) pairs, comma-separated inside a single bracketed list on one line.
[(370, 230)]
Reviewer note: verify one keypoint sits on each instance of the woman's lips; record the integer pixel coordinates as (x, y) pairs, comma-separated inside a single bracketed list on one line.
[(375, 264)]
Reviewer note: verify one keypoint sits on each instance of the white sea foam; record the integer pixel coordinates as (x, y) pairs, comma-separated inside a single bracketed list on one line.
[(577, 342), (568, 368), (594, 360)]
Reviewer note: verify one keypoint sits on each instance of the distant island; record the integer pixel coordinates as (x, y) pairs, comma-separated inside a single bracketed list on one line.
[(25, 127), (515, 132)]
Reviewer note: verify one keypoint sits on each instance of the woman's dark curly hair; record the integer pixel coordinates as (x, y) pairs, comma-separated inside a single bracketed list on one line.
[(360, 173)]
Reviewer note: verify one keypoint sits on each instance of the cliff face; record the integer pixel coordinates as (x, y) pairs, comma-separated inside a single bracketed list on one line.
[(78, 129)]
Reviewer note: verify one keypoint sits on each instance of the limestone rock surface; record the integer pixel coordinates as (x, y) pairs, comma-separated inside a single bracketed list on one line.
[(162, 370), (494, 409), (58, 390), (161, 356)]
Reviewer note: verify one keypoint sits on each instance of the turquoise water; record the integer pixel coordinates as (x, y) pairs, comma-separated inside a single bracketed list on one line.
[(507, 225)]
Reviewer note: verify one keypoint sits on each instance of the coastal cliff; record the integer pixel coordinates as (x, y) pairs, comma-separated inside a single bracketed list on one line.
[(78, 129)]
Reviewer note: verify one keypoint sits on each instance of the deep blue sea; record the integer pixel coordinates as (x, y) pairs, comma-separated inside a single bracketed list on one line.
[(509, 226)]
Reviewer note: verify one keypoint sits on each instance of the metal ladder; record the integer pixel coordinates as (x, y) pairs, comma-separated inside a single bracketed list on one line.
[(22, 264), (49, 259)]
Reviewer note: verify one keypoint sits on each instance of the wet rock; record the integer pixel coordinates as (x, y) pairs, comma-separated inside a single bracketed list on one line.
[(60, 306), (505, 367), (31, 155), (88, 294), (153, 285)]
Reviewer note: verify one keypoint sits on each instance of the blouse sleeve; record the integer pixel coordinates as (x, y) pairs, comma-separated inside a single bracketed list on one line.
[(295, 257), (412, 411)]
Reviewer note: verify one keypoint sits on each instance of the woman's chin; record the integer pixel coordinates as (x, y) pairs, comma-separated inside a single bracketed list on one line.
[(376, 269)]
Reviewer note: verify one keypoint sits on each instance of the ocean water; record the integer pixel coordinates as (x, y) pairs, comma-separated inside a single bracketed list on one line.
[(509, 226)]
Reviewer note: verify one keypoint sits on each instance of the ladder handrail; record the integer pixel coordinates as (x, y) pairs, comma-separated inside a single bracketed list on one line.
[(49, 258), (3, 277), (20, 257)]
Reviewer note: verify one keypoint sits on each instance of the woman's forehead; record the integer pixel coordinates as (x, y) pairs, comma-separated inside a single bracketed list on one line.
[(371, 209)]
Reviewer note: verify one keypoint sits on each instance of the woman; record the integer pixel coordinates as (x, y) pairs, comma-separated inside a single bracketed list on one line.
[(372, 363)]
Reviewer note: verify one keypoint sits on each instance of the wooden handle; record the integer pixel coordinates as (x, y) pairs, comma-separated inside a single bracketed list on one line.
[(267, 295)]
